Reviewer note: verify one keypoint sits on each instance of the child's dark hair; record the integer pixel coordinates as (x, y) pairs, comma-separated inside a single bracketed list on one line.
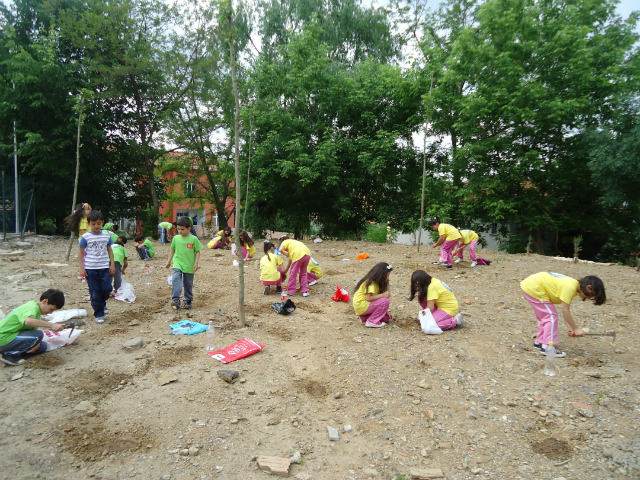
[(94, 216), (73, 220), (378, 274), (434, 221), (98, 208), (139, 238), (246, 239), (184, 222), (423, 279), (53, 297), (267, 246), (597, 288), (227, 231), (122, 240)]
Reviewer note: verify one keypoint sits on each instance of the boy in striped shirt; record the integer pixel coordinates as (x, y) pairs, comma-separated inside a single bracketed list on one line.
[(96, 263)]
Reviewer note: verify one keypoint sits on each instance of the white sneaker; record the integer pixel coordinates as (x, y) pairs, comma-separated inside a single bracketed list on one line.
[(100, 319), (459, 322), (473, 264), (305, 294), (106, 310), (373, 325), (313, 283), (458, 260)]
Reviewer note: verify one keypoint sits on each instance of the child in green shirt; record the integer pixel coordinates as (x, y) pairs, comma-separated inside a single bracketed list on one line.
[(120, 261), (109, 228), (185, 254), (144, 247), (19, 332)]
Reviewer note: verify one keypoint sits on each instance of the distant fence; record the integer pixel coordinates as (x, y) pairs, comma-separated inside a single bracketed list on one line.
[(25, 220)]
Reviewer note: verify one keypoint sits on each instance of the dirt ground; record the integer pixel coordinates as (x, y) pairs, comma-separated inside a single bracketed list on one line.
[(473, 401)]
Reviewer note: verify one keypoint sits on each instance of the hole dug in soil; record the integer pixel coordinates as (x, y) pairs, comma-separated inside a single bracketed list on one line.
[(553, 449)]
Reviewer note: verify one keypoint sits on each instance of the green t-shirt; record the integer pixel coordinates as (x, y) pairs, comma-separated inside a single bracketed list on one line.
[(119, 253), (152, 250), (166, 225), (184, 252), (13, 323), (113, 236)]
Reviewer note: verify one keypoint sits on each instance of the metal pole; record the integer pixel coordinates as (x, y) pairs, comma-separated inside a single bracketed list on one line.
[(15, 170), (26, 218)]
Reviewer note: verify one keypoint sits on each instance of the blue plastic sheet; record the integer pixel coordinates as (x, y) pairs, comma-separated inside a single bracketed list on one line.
[(187, 327)]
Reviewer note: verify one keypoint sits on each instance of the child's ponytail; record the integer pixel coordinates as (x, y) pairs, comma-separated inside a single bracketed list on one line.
[(73, 220), (420, 281), (267, 246), (597, 288), (434, 221)]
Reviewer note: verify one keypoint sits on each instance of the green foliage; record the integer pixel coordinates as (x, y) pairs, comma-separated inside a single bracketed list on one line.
[(150, 220), (376, 233)]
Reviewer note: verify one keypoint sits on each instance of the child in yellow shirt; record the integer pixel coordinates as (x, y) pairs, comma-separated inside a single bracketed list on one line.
[(449, 237), (468, 238), (299, 255), (436, 295), (371, 300), (544, 290), (273, 268), (221, 240), (314, 272)]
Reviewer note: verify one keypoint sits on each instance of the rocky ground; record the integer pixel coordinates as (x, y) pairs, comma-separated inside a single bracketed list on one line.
[(473, 402)]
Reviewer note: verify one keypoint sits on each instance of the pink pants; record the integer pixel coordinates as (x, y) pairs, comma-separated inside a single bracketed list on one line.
[(442, 318), (446, 251), (299, 268), (472, 250), (218, 244), (377, 312), (547, 316), (311, 277), (275, 282), (243, 250)]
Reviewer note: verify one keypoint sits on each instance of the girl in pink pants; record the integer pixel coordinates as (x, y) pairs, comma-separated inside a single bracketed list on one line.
[(299, 255), (469, 239), (449, 237), (544, 290), (273, 270), (436, 296), (371, 299)]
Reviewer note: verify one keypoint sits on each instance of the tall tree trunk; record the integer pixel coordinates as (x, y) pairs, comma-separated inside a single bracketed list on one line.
[(246, 197), (236, 122), (75, 186)]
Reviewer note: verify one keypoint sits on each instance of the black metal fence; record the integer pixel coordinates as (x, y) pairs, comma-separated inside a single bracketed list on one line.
[(22, 219)]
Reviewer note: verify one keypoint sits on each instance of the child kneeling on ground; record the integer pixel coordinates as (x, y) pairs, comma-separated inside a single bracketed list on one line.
[(19, 334), (271, 266), (373, 307), (144, 247), (185, 255), (435, 295)]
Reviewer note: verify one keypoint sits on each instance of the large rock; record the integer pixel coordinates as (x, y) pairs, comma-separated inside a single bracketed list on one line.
[(229, 376), (426, 473), (334, 436), (275, 465), (133, 344), (86, 408)]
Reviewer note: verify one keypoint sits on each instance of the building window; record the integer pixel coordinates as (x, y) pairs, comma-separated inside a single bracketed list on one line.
[(494, 229), (190, 189), (215, 220)]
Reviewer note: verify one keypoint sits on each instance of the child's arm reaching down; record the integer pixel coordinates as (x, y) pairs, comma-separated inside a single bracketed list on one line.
[(168, 265), (440, 241), (572, 327)]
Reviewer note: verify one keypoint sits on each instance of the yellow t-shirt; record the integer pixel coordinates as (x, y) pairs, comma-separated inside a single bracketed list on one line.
[(269, 267), (252, 251), (360, 303), (468, 236), (296, 249), (550, 287), (314, 267), (448, 231), (443, 296), (84, 225)]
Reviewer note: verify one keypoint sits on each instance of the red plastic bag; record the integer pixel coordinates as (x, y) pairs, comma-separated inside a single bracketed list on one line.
[(238, 350), (341, 294)]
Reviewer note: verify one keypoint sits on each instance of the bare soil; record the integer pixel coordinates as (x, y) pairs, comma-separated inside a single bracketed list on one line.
[(473, 401)]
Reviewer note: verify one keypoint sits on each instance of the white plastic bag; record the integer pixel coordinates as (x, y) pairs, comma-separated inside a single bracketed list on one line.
[(236, 263), (428, 323), (234, 249), (317, 240), (60, 339), (61, 316), (126, 293)]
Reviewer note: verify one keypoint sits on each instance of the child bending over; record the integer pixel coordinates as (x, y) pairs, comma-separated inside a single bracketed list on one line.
[(545, 290), (449, 236), (144, 247), (271, 266), (120, 261), (246, 246), (221, 240)]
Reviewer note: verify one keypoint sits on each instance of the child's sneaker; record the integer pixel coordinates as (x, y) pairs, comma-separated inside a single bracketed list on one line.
[(459, 322), (373, 325), (305, 294), (100, 319), (537, 345), (474, 263), (106, 310), (187, 306), (175, 305), (266, 290), (278, 289), (313, 283), (559, 354), (449, 267), (12, 360), (458, 260)]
